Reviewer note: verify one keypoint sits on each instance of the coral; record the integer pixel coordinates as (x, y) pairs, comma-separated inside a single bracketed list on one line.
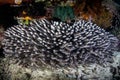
[(10, 71), (115, 28), (59, 44), (87, 8)]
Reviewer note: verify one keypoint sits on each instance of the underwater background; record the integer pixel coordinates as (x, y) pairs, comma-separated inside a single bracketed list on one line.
[(60, 40)]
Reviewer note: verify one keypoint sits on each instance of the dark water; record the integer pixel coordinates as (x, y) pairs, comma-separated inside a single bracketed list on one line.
[(117, 1)]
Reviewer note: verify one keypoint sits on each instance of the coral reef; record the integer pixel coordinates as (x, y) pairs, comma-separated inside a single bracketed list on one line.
[(10, 71)]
